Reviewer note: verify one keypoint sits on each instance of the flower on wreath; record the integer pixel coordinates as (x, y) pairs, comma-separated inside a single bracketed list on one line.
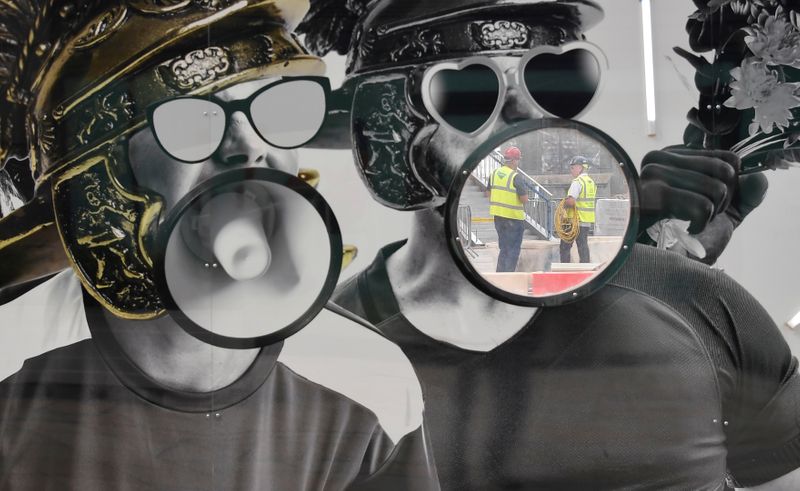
[(710, 28), (753, 8), (774, 40), (715, 4), (756, 86), (710, 6), (739, 7)]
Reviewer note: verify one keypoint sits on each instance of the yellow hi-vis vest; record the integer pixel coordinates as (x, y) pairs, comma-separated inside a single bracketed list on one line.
[(503, 198), (586, 200)]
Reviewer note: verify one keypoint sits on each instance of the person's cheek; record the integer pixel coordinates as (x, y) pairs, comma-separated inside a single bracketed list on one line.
[(155, 171), (284, 160), (446, 153)]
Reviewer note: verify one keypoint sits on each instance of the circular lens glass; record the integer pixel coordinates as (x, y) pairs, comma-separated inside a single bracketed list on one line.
[(563, 84), (464, 98), (243, 262), (542, 231), (289, 114), (189, 129)]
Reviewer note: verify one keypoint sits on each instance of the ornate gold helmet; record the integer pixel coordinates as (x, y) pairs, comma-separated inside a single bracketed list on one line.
[(76, 79)]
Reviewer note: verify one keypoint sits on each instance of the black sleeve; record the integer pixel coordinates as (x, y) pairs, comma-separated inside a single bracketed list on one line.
[(764, 409), (521, 185), (758, 376), (348, 296), (410, 465)]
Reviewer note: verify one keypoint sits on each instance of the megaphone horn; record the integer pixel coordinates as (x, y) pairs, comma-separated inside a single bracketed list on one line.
[(248, 258)]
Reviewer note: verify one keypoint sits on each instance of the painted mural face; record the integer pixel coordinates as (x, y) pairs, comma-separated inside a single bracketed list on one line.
[(432, 116), (240, 147), (108, 198)]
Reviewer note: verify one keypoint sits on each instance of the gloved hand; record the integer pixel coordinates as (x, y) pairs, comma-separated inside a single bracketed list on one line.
[(747, 196), (702, 187)]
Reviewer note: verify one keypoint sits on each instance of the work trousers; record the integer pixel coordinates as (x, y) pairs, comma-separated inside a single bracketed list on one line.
[(565, 248), (509, 238)]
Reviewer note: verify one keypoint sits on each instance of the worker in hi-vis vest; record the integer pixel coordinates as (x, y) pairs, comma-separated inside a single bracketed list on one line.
[(581, 198), (508, 195)]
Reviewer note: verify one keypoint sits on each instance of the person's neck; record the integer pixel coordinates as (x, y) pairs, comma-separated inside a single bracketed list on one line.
[(169, 355), (420, 268), (434, 295)]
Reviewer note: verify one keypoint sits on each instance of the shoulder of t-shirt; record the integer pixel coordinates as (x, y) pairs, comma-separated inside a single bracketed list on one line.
[(674, 274), (675, 279), (348, 296), (339, 352), (357, 293), (519, 182), (759, 374), (719, 308), (48, 317)]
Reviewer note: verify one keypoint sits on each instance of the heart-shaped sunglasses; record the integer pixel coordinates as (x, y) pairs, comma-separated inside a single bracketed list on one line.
[(468, 95)]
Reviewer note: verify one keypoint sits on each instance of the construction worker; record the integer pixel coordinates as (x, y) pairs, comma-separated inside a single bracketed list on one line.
[(507, 207), (581, 198)]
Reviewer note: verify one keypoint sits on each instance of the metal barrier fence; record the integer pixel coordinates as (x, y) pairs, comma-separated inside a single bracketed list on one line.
[(540, 213), (464, 225)]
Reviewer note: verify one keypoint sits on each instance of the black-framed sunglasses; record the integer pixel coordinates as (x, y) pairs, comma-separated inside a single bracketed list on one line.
[(286, 114), (467, 95)]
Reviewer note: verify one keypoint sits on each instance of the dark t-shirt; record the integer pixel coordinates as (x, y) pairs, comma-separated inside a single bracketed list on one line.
[(310, 413), (618, 390)]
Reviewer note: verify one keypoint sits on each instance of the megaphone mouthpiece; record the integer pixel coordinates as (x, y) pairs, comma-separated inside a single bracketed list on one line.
[(238, 240)]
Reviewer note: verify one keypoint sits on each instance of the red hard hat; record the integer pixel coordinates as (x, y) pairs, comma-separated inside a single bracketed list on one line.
[(512, 153)]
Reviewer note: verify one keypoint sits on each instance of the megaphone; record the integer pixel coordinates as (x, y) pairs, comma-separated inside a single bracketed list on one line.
[(248, 258), (536, 251)]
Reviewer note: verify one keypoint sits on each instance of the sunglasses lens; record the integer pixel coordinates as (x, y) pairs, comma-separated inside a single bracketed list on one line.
[(289, 114), (465, 98), (189, 129), (563, 84)]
